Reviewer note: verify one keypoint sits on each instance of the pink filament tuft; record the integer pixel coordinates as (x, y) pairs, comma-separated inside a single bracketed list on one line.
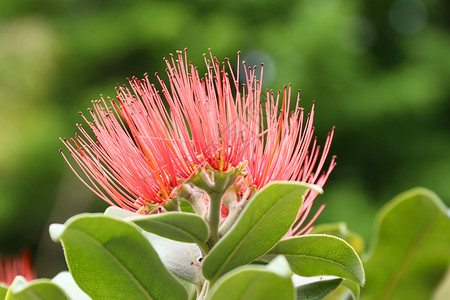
[(148, 143), (10, 267)]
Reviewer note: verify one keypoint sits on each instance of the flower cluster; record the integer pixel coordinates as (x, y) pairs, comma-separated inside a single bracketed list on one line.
[(10, 267), (149, 143)]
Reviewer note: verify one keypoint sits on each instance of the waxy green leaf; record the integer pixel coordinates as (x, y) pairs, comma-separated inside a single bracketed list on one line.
[(340, 230), (181, 259), (317, 290), (250, 282), (190, 288), (110, 259), (412, 251), (264, 221), (3, 290), (40, 289), (321, 254), (352, 288), (178, 226)]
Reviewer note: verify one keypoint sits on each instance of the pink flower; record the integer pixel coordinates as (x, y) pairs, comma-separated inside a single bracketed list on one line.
[(148, 143), (10, 267)]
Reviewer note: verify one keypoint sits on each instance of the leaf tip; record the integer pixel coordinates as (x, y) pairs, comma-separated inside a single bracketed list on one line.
[(56, 231), (316, 188), (18, 284)]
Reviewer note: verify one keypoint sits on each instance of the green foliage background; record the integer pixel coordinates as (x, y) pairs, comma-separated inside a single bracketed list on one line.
[(379, 72)]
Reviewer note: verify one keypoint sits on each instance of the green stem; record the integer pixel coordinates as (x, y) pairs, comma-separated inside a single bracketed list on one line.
[(172, 205), (214, 217), (194, 196), (204, 291), (204, 247)]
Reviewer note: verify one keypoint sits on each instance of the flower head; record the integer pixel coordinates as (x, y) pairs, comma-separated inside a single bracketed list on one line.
[(149, 143), (10, 267)]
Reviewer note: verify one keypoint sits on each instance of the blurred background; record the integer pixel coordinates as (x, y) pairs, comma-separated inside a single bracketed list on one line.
[(378, 70)]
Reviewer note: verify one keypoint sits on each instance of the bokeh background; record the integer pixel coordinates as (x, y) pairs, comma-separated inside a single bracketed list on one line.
[(378, 70)]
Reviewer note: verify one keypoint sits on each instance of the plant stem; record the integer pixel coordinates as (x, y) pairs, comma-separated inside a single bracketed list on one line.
[(204, 247), (215, 204), (204, 291)]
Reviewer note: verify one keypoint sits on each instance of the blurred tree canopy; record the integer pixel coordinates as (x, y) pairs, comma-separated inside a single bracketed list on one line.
[(379, 71)]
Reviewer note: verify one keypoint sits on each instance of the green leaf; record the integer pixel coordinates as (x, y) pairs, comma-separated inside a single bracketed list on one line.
[(178, 226), (263, 222), (3, 290), (347, 290), (340, 230), (320, 254), (186, 207), (110, 259), (190, 288), (353, 288), (317, 290), (40, 289), (412, 251), (252, 282)]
